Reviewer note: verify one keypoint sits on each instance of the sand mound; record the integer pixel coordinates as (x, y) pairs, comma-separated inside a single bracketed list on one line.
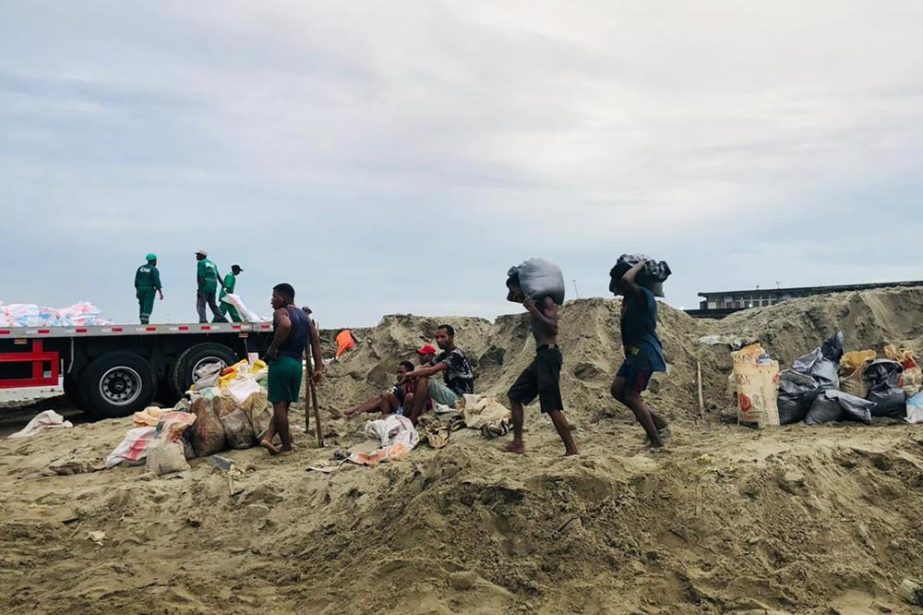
[(868, 319), (499, 351), (728, 520)]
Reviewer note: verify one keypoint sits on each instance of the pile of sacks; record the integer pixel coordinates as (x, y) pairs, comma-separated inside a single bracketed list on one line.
[(226, 409), (830, 385), (29, 315), (230, 406)]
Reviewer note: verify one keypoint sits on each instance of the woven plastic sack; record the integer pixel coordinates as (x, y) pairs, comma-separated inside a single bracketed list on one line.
[(237, 427), (757, 380), (208, 432), (539, 278)]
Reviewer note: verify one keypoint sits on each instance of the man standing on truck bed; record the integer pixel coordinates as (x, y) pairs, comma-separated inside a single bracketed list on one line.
[(230, 282), (147, 283), (292, 331), (207, 280)]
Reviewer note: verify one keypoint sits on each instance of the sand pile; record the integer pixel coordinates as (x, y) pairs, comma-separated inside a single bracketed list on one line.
[(868, 319), (728, 520), (499, 351)]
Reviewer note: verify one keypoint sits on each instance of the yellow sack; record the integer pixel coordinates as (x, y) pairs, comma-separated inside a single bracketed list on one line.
[(235, 369), (852, 361), (854, 384), (258, 369), (902, 355)]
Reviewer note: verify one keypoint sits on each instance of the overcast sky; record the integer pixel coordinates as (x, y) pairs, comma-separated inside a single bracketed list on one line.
[(399, 156)]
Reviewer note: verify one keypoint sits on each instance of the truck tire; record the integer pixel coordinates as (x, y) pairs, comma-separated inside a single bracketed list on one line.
[(117, 384), (180, 377)]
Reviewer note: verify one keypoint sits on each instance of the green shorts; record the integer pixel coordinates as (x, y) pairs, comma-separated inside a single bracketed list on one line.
[(284, 379), (441, 394)]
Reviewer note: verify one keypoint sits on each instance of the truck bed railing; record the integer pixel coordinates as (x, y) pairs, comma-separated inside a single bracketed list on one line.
[(115, 330)]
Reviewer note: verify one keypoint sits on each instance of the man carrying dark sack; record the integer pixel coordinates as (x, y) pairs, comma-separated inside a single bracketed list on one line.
[(643, 350), (542, 378)]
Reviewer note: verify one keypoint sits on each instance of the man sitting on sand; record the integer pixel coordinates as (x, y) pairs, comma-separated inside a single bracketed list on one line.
[(542, 378), (392, 401), (643, 351), (453, 363)]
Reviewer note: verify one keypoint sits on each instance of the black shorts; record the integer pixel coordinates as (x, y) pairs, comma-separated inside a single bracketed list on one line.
[(637, 374), (541, 379)]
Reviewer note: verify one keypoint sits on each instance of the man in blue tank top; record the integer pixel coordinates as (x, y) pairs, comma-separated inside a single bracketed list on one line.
[(292, 331), (643, 350)]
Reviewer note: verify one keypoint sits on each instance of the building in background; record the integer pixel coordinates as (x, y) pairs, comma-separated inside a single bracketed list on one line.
[(722, 303)]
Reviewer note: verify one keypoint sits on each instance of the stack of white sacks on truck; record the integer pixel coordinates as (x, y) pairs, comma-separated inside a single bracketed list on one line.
[(30, 315), (226, 409)]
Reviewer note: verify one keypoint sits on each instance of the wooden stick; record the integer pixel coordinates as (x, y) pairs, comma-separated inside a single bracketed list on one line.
[(308, 386), (698, 365), (317, 425)]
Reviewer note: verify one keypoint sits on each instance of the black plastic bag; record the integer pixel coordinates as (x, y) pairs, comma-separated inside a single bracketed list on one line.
[(824, 410), (888, 400), (823, 370), (652, 276), (792, 409), (883, 377), (797, 393), (883, 371), (832, 349), (854, 408)]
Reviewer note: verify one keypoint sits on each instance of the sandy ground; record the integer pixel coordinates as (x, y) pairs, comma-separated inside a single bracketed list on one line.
[(726, 520)]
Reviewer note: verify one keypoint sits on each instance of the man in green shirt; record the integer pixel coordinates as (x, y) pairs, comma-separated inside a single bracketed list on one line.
[(147, 283), (207, 287), (230, 282)]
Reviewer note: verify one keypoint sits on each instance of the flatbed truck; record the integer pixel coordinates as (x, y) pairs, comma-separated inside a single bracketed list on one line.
[(115, 370)]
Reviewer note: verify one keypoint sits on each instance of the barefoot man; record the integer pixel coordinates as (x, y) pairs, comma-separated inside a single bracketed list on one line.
[(542, 378), (392, 401), (292, 330), (643, 351)]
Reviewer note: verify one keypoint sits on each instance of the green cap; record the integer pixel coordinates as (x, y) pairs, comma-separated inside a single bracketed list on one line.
[(151, 257)]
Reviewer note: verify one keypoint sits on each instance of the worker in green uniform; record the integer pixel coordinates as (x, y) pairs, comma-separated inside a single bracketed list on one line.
[(230, 282), (147, 284), (207, 287)]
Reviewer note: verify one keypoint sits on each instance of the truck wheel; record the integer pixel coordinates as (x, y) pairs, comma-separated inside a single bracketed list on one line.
[(117, 384), (180, 377)]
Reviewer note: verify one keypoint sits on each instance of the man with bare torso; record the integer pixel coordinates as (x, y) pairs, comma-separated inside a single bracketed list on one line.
[(542, 378)]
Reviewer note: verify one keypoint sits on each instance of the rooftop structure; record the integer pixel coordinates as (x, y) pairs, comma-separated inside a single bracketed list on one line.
[(722, 303)]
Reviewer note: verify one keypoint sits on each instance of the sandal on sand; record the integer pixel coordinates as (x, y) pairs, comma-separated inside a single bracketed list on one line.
[(495, 430)]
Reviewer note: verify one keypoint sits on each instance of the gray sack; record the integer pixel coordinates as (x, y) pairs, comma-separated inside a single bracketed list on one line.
[(539, 278)]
